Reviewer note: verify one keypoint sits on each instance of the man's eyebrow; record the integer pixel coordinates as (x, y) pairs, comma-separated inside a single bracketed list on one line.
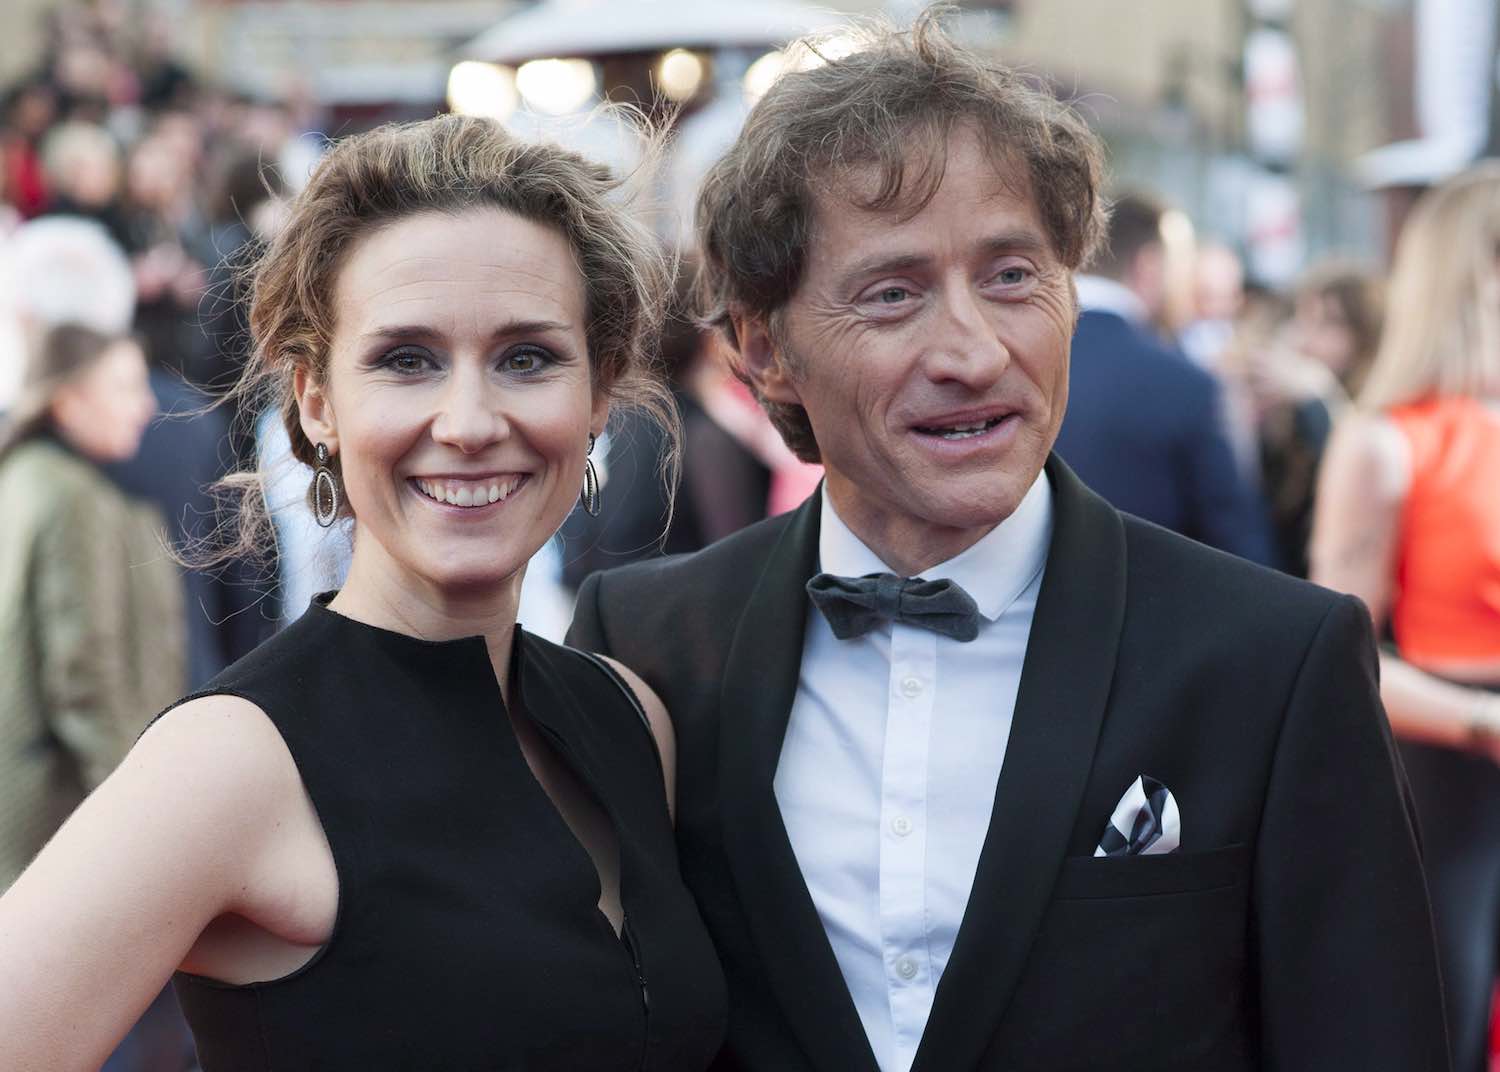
[(882, 263), (505, 330), (1019, 240)]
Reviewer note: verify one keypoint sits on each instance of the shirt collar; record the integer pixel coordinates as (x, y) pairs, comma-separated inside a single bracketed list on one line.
[(1097, 294), (994, 571)]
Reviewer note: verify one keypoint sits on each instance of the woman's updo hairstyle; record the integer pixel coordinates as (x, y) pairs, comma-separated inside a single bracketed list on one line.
[(450, 163)]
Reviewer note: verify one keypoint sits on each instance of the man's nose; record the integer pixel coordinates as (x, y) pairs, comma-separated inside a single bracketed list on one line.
[(470, 415), (965, 345)]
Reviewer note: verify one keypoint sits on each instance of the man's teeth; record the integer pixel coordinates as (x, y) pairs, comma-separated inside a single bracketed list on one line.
[(469, 492), (962, 431)]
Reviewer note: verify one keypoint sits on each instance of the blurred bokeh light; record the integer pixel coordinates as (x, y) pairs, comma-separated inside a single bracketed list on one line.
[(556, 86), (487, 89)]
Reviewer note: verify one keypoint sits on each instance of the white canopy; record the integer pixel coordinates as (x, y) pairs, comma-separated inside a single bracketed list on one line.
[(595, 27)]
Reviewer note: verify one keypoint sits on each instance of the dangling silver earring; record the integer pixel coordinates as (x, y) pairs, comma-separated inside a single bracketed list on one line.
[(590, 496), (325, 489)]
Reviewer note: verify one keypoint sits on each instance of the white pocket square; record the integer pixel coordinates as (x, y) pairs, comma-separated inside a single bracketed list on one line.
[(1146, 822)]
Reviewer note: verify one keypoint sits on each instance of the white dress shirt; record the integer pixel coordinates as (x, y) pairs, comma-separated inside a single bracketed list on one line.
[(887, 775)]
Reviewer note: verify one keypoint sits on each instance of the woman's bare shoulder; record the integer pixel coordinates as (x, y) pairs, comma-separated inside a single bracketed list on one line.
[(219, 754), (1369, 451)]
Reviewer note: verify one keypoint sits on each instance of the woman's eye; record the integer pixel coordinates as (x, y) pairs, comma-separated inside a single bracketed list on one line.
[(407, 362), (527, 360)]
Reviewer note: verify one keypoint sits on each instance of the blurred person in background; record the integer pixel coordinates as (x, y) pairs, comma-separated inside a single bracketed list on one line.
[(723, 486), (83, 169), (242, 206), (164, 81), (158, 211), (90, 603), (728, 474), (1145, 427), (27, 113), (1300, 371), (1408, 519), (1218, 300), (53, 270), (1218, 295)]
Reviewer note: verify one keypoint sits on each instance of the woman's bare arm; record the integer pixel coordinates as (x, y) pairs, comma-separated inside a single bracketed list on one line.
[(1361, 492), (94, 928)]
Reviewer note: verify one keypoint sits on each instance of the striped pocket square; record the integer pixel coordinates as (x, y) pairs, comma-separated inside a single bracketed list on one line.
[(1145, 822)]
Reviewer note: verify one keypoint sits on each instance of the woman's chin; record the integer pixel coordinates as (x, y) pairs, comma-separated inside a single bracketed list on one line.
[(476, 582)]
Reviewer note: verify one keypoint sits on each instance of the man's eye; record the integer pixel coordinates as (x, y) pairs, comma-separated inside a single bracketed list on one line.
[(1012, 276), (892, 295)]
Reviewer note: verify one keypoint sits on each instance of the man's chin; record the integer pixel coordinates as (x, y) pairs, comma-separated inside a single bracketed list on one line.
[(972, 503)]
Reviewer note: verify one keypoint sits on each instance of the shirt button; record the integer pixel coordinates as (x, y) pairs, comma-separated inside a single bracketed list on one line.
[(911, 686), (901, 826), (906, 967)]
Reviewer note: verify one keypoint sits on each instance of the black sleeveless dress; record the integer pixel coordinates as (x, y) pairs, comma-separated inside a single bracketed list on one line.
[(468, 933)]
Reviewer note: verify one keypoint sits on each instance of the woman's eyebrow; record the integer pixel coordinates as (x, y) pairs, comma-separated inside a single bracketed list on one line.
[(523, 326)]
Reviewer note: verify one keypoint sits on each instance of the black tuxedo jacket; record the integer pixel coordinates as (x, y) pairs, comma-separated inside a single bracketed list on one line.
[(1291, 929)]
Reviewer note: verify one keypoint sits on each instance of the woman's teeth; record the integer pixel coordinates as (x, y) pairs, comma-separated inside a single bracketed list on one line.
[(469, 492)]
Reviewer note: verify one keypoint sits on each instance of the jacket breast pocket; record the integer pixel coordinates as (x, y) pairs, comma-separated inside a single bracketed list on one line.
[(1141, 962), (1090, 877)]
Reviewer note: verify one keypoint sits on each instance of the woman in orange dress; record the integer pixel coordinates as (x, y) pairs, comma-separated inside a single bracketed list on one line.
[(1408, 519)]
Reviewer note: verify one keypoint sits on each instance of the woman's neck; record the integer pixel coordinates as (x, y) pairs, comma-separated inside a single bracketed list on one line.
[(380, 592)]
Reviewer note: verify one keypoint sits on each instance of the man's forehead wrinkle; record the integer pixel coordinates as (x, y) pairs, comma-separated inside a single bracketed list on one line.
[(888, 193)]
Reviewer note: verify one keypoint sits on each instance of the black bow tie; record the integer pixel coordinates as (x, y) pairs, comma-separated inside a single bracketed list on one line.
[(855, 605)]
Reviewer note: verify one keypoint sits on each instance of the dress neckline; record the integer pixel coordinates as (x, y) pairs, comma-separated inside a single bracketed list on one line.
[(320, 607), (467, 655)]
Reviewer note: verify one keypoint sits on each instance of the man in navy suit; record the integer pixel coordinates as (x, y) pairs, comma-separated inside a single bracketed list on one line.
[(1144, 426)]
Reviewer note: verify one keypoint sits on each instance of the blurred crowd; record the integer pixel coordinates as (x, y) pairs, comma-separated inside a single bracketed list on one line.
[(1202, 400), (181, 178), (131, 192)]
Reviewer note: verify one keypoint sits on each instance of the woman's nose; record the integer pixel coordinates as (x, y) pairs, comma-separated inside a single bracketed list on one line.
[(469, 419)]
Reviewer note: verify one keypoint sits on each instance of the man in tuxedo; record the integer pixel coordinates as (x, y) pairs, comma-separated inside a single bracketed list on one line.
[(1146, 427), (975, 772)]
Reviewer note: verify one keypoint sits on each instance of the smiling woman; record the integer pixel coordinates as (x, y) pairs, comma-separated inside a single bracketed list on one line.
[(336, 845)]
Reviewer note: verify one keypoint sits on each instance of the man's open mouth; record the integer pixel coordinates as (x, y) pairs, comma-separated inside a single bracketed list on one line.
[(960, 431)]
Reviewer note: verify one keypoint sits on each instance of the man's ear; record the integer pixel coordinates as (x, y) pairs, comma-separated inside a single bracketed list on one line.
[(764, 361), (314, 409)]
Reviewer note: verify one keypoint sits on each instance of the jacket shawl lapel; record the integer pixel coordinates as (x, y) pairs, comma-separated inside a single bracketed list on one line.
[(1065, 683), (760, 683)]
